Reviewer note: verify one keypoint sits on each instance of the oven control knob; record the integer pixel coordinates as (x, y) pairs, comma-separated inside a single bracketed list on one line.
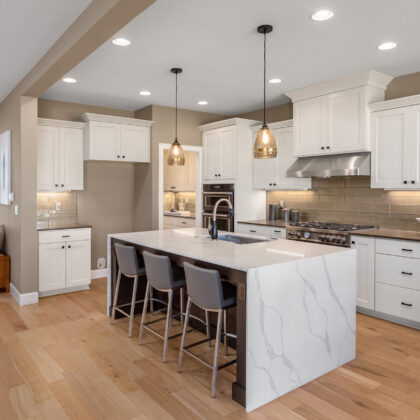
[(306, 235)]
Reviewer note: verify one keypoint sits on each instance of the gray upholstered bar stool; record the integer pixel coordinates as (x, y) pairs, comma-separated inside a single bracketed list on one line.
[(206, 290), (160, 276)]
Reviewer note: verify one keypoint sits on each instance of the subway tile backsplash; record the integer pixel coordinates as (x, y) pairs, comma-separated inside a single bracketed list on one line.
[(351, 200), (56, 209)]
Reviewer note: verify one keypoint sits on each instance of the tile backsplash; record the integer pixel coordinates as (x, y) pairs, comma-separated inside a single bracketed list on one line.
[(56, 209), (351, 200), (175, 200)]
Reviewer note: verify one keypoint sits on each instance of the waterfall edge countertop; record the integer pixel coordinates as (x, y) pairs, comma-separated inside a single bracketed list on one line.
[(196, 243), (296, 305)]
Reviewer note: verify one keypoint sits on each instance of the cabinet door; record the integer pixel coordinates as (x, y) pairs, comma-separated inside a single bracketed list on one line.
[(48, 158), (175, 177), (413, 145), (365, 271), (77, 263), (227, 153), (390, 154), (52, 267), (285, 159), (265, 173), (71, 159), (104, 141), (191, 165), (211, 154), (135, 143), (346, 121), (309, 138)]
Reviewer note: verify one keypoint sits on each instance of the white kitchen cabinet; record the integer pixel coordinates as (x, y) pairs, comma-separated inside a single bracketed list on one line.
[(176, 222), (219, 152), (261, 230), (118, 139), (180, 178), (59, 155), (270, 174), (365, 270), (64, 260), (396, 146), (333, 117)]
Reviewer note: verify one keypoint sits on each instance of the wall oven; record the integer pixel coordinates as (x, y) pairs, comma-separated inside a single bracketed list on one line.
[(212, 193)]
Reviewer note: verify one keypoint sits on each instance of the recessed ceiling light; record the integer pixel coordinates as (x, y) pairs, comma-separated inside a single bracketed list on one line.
[(322, 15), (69, 80), (274, 80), (389, 45), (121, 42), (202, 103), (144, 93)]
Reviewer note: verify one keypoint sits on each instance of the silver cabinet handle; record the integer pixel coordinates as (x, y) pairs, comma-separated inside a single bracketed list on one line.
[(407, 304), (65, 236), (406, 273), (406, 250), (253, 231)]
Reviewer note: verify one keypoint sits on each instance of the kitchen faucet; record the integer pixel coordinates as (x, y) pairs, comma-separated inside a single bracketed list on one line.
[(213, 227)]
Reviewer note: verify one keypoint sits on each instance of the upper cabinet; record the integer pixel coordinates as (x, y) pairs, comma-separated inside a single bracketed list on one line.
[(60, 155), (270, 174), (333, 117), (396, 144), (219, 153), (117, 139), (180, 178)]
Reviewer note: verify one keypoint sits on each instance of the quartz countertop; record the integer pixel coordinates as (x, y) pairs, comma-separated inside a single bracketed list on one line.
[(188, 215), (412, 235), (195, 243), (266, 222), (43, 227)]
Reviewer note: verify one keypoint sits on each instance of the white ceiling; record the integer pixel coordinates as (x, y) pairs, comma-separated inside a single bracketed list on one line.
[(28, 29), (216, 43)]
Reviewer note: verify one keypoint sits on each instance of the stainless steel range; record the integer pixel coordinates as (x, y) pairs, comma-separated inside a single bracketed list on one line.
[(337, 234)]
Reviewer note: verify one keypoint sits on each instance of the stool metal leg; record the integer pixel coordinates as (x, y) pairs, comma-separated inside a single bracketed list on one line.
[(168, 324), (208, 327), (181, 303), (117, 289), (133, 305), (143, 318), (151, 300), (225, 330), (216, 353), (184, 334)]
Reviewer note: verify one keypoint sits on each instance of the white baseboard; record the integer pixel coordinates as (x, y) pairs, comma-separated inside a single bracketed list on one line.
[(97, 274), (23, 298)]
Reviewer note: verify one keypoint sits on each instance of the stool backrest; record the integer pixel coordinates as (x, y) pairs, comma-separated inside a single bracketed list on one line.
[(127, 259), (158, 270), (204, 286)]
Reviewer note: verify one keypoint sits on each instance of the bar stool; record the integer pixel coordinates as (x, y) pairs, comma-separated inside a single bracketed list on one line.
[(129, 266), (206, 290)]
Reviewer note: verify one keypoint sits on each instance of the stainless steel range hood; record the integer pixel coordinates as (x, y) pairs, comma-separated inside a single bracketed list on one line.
[(349, 164)]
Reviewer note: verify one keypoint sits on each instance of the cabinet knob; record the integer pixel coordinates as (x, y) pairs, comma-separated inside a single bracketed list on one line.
[(413, 182), (274, 183), (69, 246), (353, 242), (62, 185), (270, 184), (56, 185), (322, 147), (405, 182), (118, 156), (123, 156), (328, 147), (62, 247)]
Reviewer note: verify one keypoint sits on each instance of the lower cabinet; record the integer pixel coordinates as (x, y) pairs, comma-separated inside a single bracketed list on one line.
[(365, 249), (176, 222), (64, 260), (260, 230), (388, 278)]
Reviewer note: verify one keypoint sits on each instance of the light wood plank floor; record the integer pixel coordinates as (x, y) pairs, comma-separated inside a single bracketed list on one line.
[(62, 359)]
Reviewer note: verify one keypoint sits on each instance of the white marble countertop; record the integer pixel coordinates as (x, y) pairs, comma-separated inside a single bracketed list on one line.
[(195, 243)]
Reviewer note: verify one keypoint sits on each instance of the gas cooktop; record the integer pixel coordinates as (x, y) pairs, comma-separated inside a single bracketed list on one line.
[(341, 227)]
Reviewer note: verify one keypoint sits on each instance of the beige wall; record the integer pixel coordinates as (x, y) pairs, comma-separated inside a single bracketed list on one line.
[(163, 131), (273, 114), (401, 86), (107, 201)]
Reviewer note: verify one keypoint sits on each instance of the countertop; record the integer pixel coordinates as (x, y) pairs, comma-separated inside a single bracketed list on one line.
[(185, 216), (266, 222), (411, 235), (195, 243), (63, 226)]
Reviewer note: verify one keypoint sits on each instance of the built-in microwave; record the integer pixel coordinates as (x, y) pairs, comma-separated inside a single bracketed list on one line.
[(212, 193)]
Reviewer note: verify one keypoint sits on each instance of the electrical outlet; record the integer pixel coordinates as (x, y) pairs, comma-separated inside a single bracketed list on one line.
[(58, 206), (101, 263), (16, 209)]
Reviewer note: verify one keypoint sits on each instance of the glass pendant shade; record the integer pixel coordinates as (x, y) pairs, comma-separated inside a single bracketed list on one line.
[(176, 155), (265, 146)]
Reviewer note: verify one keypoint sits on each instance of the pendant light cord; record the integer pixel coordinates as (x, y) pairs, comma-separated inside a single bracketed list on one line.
[(265, 40), (176, 106)]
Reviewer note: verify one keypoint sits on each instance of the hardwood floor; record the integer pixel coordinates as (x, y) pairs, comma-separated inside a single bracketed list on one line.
[(62, 359)]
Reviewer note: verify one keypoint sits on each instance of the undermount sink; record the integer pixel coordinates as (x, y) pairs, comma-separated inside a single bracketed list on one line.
[(241, 239)]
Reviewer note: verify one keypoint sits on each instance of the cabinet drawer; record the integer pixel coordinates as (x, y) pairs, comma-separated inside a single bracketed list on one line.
[(253, 229), (398, 271), (397, 301), (64, 235), (277, 233), (178, 221), (399, 248)]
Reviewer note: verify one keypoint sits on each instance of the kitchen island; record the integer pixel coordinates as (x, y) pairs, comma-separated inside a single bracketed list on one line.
[(296, 304)]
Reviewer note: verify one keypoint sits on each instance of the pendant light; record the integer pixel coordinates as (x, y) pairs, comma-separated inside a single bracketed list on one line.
[(176, 154), (265, 146)]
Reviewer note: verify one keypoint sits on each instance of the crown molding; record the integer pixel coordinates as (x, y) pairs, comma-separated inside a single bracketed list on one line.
[(89, 117), (60, 123), (395, 103), (228, 123)]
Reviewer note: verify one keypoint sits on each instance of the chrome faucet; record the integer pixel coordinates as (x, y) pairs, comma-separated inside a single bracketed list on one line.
[(213, 226)]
